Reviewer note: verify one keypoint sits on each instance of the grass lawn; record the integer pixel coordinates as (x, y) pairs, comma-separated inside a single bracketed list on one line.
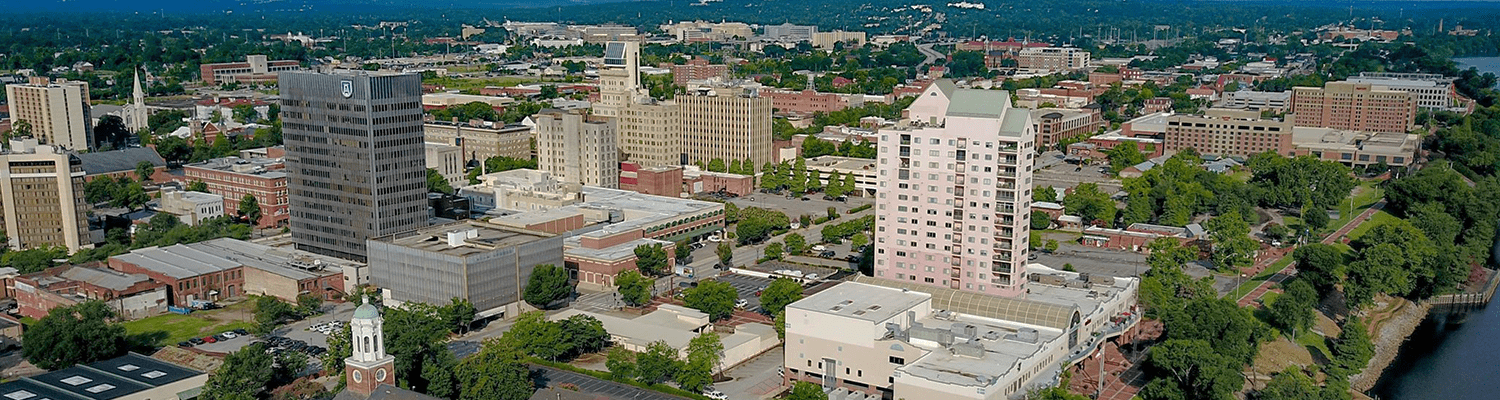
[(1309, 338), (1377, 219), (169, 329), (1365, 195), (478, 83)]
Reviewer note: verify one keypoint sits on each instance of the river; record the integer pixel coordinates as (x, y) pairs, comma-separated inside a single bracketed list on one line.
[(1449, 361)]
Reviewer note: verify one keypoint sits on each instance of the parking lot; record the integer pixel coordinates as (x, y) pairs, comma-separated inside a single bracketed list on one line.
[(1094, 260), (755, 379), (814, 206), (746, 286), (550, 377)]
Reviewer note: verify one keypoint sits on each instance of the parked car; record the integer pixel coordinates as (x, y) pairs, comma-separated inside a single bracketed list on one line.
[(229, 335), (210, 339), (240, 332), (184, 344), (195, 341), (827, 254), (714, 394)]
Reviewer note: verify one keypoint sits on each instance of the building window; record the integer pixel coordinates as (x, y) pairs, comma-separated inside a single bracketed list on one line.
[(896, 360)]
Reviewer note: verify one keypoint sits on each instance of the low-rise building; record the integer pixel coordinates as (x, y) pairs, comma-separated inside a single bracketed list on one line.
[(481, 142), (433, 101), (696, 69), (224, 268), (1357, 149), (1052, 59), (1135, 237), (1228, 132), (677, 326), (255, 69), (486, 264), (805, 102), (826, 40), (132, 296), (129, 377), (1277, 102), (658, 180), (898, 339), (234, 178), (606, 224), (1053, 125), (863, 169), (192, 207), (119, 164)]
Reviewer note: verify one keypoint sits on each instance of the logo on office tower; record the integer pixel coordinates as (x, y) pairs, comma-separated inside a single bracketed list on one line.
[(348, 88)]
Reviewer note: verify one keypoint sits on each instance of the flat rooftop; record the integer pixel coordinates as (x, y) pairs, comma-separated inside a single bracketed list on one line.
[(862, 301), (1002, 351), (840, 162), (487, 237)]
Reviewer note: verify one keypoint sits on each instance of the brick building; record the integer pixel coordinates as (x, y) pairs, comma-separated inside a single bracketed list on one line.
[(121, 163), (234, 177), (1228, 132), (1055, 124), (1136, 236), (1354, 106), (226, 268), (255, 69), (805, 102), (189, 273), (658, 180), (133, 296), (695, 70)]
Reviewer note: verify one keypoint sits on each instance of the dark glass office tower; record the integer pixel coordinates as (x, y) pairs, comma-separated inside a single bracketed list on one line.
[(354, 157)]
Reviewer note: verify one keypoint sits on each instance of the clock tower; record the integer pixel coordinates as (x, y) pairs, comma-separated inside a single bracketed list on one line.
[(368, 367)]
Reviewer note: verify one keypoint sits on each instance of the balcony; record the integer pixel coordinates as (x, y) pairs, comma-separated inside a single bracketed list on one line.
[(1003, 268), (1004, 184), (954, 273), (1008, 173), (1005, 196), (1007, 161)]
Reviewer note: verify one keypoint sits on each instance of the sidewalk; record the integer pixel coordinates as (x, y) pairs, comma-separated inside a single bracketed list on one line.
[(1254, 296)]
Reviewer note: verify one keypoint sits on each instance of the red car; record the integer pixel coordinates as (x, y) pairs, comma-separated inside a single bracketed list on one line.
[(210, 339)]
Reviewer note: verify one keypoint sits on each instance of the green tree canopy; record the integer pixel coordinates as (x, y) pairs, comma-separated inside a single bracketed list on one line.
[(651, 259), (78, 334), (635, 290), (776, 296), (714, 298), (548, 284)]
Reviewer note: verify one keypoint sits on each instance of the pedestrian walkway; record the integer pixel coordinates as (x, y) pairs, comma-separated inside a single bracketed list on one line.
[(1254, 296)]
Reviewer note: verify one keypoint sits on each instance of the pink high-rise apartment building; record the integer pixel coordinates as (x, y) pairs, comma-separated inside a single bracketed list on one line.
[(954, 200)]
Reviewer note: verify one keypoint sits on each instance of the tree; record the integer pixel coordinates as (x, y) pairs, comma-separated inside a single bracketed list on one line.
[(1351, 350), (1232, 245), (725, 251), (779, 323), (1320, 265), (1044, 193), (163, 222), (814, 181), (583, 334), (704, 353), (535, 335), (682, 251), (436, 183), (651, 259), (78, 334), (1091, 204), (657, 364), (621, 363), (111, 132), (269, 312), (458, 314), (731, 213), (833, 213), (309, 303), (859, 240), (250, 209), (756, 224), (339, 348), (1124, 156), (1040, 220), (245, 113), (1315, 219), (497, 372), (795, 244), (548, 284), (437, 371), (245, 374), (1293, 311), (412, 332), (779, 294), (774, 251), (835, 185), (143, 170), (714, 298), (1051, 246), (1275, 231), (635, 290), (806, 391), (716, 165), (197, 186), (1193, 370)]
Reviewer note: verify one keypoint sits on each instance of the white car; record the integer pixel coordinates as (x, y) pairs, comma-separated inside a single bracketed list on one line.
[(819, 248), (741, 303), (714, 394), (713, 238), (230, 335)]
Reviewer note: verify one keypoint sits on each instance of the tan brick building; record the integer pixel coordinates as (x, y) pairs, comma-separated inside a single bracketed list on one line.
[(1228, 132), (41, 197), (1055, 124), (696, 69), (481, 142), (1354, 106), (725, 123), (58, 111), (576, 148)]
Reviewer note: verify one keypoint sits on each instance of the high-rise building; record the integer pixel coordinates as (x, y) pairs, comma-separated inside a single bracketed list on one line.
[(728, 123), (58, 111), (41, 197), (578, 149), (1354, 106), (1052, 58), (954, 190), (619, 78), (355, 157)]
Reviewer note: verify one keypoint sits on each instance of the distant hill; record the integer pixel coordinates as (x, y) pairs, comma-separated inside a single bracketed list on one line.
[(216, 6)]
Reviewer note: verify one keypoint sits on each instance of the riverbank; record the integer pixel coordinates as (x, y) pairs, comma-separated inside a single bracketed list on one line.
[(1392, 327)]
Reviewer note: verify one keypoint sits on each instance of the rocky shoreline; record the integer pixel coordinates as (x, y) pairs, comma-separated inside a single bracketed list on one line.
[(1388, 343)]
